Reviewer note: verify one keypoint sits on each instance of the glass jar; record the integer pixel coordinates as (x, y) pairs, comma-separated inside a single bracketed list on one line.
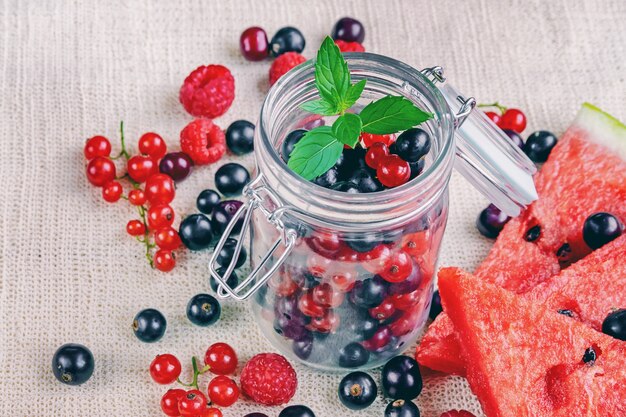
[(345, 280)]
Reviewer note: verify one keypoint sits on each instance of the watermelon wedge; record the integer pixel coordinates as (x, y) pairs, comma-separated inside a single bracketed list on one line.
[(525, 360), (585, 174)]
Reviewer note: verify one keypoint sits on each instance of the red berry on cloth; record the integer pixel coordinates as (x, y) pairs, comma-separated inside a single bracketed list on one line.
[(283, 64), (254, 44), (349, 46), (112, 191), (203, 141), (165, 368), (153, 145), (100, 170), (208, 91), (97, 146), (268, 378), (221, 358), (169, 402)]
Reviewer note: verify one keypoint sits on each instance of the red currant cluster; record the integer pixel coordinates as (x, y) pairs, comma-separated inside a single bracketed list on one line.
[(506, 118)]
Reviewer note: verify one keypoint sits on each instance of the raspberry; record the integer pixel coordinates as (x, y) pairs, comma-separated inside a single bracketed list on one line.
[(349, 46), (208, 91), (269, 379), (203, 141), (283, 64)]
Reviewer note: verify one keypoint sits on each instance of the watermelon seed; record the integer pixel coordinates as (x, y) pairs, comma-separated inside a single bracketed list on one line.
[(567, 313), (563, 254), (590, 356), (533, 233)]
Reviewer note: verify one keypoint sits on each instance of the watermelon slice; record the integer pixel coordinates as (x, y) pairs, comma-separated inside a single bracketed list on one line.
[(585, 173), (525, 360)]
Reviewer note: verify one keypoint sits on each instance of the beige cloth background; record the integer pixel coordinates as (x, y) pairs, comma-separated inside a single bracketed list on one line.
[(72, 69)]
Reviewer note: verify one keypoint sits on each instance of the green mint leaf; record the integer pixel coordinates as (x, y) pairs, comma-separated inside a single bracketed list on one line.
[(353, 94), (321, 107), (347, 129), (332, 77), (391, 114), (315, 153)]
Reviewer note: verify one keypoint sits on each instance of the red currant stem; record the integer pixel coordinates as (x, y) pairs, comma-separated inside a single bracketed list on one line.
[(497, 105), (123, 152), (146, 236), (196, 372)]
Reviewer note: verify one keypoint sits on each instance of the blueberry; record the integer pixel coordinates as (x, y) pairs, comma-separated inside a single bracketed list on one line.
[(490, 221), (346, 187), (615, 324), (515, 137), (231, 178), (366, 181), (149, 325), (411, 145), (290, 142), (240, 137), (349, 30), (232, 280), (401, 378), (435, 306), (73, 364), (417, 167), (207, 200), (225, 257), (303, 347), (327, 179), (290, 328), (539, 145), (601, 228), (177, 165), (402, 408), (357, 390), (362, 242), (195, 232), (368, 293), (353, 355), (296, 411), (222, 215), (203, 310), (287, 39)]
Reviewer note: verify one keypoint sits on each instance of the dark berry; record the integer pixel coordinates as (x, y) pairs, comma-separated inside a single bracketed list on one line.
[(195, 232), (363, 242), (435, 306), (346, 187), (615, 324), (240, 137), (287, 39), (222, 215), (177, 165), (539, 145), (402, 408), (417, 167), (401, 378), (380, 342), (357, 390), (366, 181), (369, 293), (231, 178), (490, 221), (203, 310), (533, 233), (290, 142), (601, 228), (207, 200), (360, 323), (349, 30), (411, 145), (353, 159), (254, 44), (297, 411), (410, 283), (353, 355), (515, 137), (327, 179), (225, 257), (149, 325), (255, 415), (232, 280), (73, 364), (303, 346)]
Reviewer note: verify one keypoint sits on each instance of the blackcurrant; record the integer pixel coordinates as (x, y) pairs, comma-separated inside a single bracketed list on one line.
[(177, 165), (232, 280), (327, 179), (417, 167), (402, 408), (435, 306), (207, 200), (290, 143), (615, 324), (490, 221), (231, 178), (240, 137), (353, 355), (515, 137), (255, 415), (203, 310), (149, 325), (225, 256), (73, 364), (346, 187), (296, 411), (366, 181), (353, 159), (363, 242), (601, 228), (303, 347), (357, 390), (349, 30), (223, 214), (195, 232), (411, 145), (369, 293), (360, 323), (539, 145), (287, 39), (401, 378)]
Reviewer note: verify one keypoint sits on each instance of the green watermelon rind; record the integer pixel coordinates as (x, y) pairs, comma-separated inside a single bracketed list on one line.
[(603, 129)]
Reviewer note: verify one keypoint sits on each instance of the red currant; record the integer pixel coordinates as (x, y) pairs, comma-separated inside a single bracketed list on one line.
[(160, 189), (254, 45), (406, 323), (221, 359), (169, 402), (383, 311), (141, 167), (377, 343), (192, 403), (309, 307), (100, 170), (164, 260), (417, 243), (374, 260), (398, 267), (97, 146), (135, 228), (495, 117), (404, 302), (318, 265), (223, 391), (343, 281), (137, 197), (160, 216), (212, 412), (165, 369), (327, 296), (282, 285), (369, 139), (393, 171), (328, 323), (325, 243), (347, 254), (513, 119), (167, 238), (375, 154), (112, 191), (152, 145)]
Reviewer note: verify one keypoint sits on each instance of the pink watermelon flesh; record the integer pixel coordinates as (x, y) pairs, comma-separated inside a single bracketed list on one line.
[(584, 174), (524, 359)]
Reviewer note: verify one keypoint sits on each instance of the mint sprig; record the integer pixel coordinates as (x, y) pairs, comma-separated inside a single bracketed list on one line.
[(320, 148)]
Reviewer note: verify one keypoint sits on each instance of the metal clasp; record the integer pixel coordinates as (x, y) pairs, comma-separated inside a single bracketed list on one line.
[(435, 74), (255, 193)]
